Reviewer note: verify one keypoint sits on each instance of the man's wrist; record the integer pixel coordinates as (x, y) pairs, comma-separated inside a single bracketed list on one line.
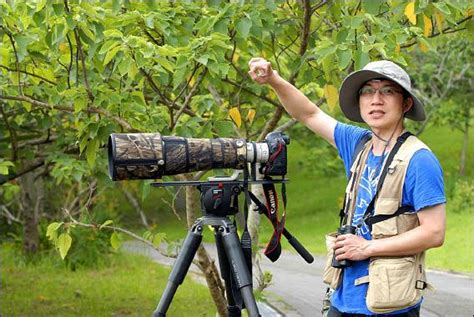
[(369, 250)]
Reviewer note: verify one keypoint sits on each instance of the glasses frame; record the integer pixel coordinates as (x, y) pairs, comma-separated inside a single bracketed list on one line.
[(380, 90)]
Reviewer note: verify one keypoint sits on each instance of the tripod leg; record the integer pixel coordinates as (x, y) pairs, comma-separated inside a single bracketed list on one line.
[(180, 268), (239, 268), (234, 300)]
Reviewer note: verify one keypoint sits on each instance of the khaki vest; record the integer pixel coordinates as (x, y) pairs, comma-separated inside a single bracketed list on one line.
[(394, 282)]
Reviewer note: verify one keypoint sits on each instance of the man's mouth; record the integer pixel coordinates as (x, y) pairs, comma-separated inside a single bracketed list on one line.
[(376, 112)]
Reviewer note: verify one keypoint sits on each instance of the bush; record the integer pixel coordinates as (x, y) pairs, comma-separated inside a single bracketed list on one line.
[(461, 196)]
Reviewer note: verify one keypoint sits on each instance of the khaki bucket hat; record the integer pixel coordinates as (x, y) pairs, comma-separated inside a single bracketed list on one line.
[(349, 93)]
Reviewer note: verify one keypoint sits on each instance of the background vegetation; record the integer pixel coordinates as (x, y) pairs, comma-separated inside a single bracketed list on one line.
[(72, 72)]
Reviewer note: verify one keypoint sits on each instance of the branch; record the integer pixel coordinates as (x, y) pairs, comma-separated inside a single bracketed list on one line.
[(119, 229), (124, 124), (28, 169), (81, 57), (152, 38), (287, 125), (172, 205), (38, 141), (265, 98), (188, 97), (155, 88), (187, 111), (135, 204), (318, 6), (12, 133), (28, 73), (10, 217), (446, 30), (71, 60), (17, 63), (270, 125)]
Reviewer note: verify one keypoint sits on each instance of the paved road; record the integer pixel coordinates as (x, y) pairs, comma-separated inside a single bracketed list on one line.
[(297, 288)]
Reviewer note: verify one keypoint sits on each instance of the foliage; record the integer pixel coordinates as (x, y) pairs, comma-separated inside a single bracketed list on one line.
[(462, 196)]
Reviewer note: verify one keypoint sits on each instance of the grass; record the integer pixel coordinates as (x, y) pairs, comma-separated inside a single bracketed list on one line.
[(130, 286)]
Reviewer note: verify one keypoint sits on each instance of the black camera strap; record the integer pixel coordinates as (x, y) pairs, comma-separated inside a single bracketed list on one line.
[(368, 217), (246, 239)]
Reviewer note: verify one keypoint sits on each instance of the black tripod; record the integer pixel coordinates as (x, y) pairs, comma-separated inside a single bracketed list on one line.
[(217, 201)]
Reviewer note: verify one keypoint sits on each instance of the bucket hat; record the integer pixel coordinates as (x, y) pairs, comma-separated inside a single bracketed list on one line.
[(349, 92)]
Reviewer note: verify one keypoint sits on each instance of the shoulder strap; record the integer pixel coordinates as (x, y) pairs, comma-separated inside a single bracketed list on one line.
[(378, 218), (401, 139), (358, 148)]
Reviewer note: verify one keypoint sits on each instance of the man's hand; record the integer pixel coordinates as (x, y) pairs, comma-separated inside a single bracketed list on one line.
[(261, 71), (351, 247)]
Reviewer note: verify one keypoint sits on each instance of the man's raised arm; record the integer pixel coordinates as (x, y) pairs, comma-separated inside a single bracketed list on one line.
[(293, 100)]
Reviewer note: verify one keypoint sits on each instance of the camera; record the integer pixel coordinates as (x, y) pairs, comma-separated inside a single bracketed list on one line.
[(346, 229), (152, 156)]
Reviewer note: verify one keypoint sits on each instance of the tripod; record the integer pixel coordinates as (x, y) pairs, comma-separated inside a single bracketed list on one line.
[(217, 201)]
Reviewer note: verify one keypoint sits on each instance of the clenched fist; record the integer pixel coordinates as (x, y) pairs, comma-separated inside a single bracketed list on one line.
[(261, 71)]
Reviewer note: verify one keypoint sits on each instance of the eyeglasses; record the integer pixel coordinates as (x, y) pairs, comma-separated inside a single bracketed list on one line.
[(386, 91)]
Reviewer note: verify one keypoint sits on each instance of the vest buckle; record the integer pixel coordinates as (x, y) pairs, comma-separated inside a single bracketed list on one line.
[(420, 284)]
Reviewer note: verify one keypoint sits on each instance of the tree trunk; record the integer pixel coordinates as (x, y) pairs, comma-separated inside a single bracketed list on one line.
[(206, 265), (31, 204)]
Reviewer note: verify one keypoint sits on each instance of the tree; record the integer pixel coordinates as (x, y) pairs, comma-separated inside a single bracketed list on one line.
[(74, 72)]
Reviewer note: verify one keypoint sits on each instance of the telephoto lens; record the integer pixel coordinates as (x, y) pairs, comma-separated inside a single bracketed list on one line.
[(343, 263), (151, 155)]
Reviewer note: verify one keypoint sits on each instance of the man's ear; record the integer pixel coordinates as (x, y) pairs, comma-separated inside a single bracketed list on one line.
[(407, 104)]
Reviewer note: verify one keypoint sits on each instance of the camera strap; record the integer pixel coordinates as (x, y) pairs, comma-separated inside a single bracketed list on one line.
[(273, 248), (245, 239), (368, 217)]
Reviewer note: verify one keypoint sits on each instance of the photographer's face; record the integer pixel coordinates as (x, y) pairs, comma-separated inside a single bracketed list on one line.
[(382, 104)]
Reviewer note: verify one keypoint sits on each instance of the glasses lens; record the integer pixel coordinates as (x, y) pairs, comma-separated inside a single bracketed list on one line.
[(367, 90), (387, 91)]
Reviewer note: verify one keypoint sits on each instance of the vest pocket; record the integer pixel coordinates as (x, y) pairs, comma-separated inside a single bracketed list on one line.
[(388, 227), (393, 284), (331, 276)]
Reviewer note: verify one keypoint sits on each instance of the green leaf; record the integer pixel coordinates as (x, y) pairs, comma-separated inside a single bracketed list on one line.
[(40, 5), (371, 7), (344, 58), (113, 33), (108, 46), (64, 243), (361, 59), (80, 104), (158, 238), (243, 27), (4, 165), (115, 240), (51, 231), (106, 223), (91, 151), (146, 235), (110, 54), (224, 128)]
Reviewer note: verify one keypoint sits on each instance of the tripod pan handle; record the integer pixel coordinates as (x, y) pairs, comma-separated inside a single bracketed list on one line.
[(298, 246)]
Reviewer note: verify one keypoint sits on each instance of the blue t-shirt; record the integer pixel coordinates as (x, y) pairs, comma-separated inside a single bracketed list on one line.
[(423, 187)]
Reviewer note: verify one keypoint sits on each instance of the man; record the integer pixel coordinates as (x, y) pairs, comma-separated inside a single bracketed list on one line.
[(386, 271)]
